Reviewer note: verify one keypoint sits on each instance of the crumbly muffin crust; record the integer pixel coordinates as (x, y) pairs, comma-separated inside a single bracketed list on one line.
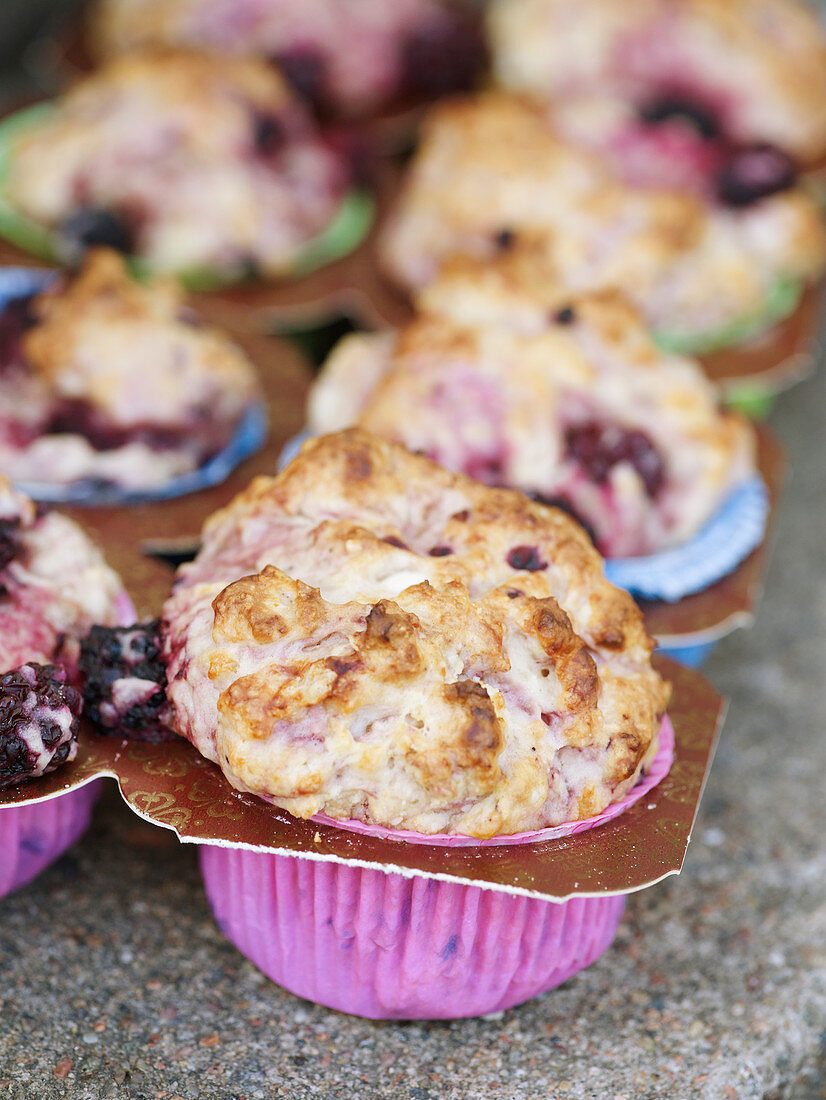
[(201, 162), (54, 584), (347, 56), (370, 636), (116, 381), (490, 169), (567, 399), (759, 66)]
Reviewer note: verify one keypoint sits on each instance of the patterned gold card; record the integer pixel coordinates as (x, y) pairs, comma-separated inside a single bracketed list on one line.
[(173, 786)]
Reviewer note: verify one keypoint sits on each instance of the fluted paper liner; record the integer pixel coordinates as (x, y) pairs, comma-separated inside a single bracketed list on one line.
[(388, 947), (33, 835)]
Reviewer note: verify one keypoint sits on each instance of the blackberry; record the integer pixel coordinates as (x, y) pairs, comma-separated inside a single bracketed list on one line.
[(600, 447), (754, 172), (38, 722), (504, 240), (95, 226), (124, 681), (564, 316), (268, 134), (527, 559), (9, 542)]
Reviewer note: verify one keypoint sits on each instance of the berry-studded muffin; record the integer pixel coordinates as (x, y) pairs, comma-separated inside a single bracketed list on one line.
[(692, 80), (569, 401), (54, 584), (349, 57), (195, 164), (492, 173), (428, 653), (114, 384)]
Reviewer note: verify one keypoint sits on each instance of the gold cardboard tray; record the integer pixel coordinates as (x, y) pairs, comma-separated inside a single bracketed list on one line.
[(171, 785)]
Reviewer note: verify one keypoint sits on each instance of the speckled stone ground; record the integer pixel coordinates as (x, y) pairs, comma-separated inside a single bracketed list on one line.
[(117, 983)]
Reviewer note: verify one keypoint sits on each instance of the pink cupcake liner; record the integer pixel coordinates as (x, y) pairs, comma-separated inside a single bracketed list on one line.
[(385, 946), (34, 834)]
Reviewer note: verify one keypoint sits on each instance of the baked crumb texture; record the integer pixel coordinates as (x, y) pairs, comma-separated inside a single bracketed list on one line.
[(370, 636), (754, 70), (492, 173), (109, 381), (349, 57), (503, 378)]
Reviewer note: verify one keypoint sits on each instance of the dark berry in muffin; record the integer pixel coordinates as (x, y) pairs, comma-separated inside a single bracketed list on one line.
[(38, 722), (753, 173), (124, 681), (94, 226)]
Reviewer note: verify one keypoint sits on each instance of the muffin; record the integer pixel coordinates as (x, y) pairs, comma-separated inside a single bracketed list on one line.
[(492, 173), (568, 400), (349, 57), (54, 584), (689, 76), (109, 385), (195, 164), (428, 654)]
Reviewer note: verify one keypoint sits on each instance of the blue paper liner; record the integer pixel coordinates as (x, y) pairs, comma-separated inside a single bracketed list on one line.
[(726, 540), (249, 436), (692, 656), (19, 282)]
